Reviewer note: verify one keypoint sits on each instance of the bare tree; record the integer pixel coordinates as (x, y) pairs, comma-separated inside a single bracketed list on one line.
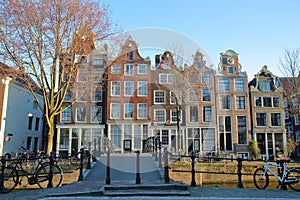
[(41, 38)]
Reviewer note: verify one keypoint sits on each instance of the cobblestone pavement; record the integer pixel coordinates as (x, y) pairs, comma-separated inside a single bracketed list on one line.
[(123, 171)]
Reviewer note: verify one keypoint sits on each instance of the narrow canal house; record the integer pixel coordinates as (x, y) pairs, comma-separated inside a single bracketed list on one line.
[(232, 104), (129, 99), (267, 111)]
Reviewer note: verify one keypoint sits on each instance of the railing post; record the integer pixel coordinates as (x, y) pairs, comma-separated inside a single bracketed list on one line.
[(50, 182), (156, 158), (80, 178), (153, 145), (89, 160), (138, 177), (108, 168), (193, 183), (159, 158), (239, 172), (166, 166)]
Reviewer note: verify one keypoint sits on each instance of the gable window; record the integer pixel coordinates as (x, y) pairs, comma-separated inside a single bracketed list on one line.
[(115, 88), (275, 119), (160, 115), (261, 119), (230, 70), (129, 70), (242, 130), (265, 86), (224, 84), (116, 69), (97, 94), (30, 120), (258, 102), (194, 114), (193, 78), (206, 78), (206, 95), (81, 114), (142, 88), (142, 69), (166, 78), (130, 55), (128, 110), (267, 101), (207, 114), (129, 88), (115, 110), (240, 102), (225, 102), (66, 115), (193, 95), (142, 111), (239, 85), (159, 97), (96, 114)]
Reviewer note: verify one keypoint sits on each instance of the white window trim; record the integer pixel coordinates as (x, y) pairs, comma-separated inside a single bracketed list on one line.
[(111, 105), (124, 112), (111, 86), (76, 110), (128, 95), (155, 95), (138, 111), (245, 102), (235, 88), (230, 101), (125, 66), (142, 65), (173, 122), (164, 110), (169, 78), (96, 121), (138, 92), (94, 91)]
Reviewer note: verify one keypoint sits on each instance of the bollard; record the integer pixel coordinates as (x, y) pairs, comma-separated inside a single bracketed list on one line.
[(50, 182), (166, 166), (153, 143), (159, 157), (89, 160), (138, 177), (108, 168), (193, 183), (240, 183), (80, 178), (280, 171)]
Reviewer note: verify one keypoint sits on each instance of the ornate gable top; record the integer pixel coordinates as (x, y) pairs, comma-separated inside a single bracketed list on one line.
[(229, 53)]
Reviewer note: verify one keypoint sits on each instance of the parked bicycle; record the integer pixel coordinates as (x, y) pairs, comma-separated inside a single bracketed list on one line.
[(290, 177), (45, 173)]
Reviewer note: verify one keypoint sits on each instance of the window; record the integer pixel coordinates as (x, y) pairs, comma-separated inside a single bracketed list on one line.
[(96, 73), (35, 105), (173, 116), (239, 85), (97, 60), (240, 102), (142, 111), (137, 134), (115, 110), (194, 114), (193, 79), (276, 102), (129, 88), (159, 97), (37, 123), (142, 69), (69, 96), (193, 95), (224, 84), (82, 75), (66, 115), (261, 119), (129, 70), (142, 88), (230, 70), (175, 96), (116, 69), (96, 114), (199, 65), (225, 102), (267, 101), (206, 95), (296, 120), (30, 120), (275, 119), (160, 115), (265, 86), (166, 78), (225, 133), (207, 114), (81, 114), (64, 138), (127, 131), (128, 110), (242, 130), (208, 138), (81, 93), (116, 136), (206, 78), (29, 139), (97, 94), (115, 88), (258, 102), (130, 55)]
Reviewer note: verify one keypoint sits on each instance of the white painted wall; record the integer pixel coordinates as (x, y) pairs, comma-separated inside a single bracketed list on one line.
[(20, 104)]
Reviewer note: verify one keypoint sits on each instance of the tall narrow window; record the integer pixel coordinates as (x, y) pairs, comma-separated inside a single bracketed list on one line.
[(37, 123), (81, 114), (128, 110), (194, 114), (142, 111), (207, 114), (206, 94), (115, 88), (240, 102), (115, 111), (129, 70), (142, 88), (242, 130), (224, 84), (225, 102), (30, 120), (96, 114), (129, 88)]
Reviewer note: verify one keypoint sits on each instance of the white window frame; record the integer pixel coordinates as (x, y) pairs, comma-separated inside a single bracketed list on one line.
[(190, 115), (143, 88), (96, 74), (85, 116), (205, 114), (94, 91), (224, 84), (128, 88), (156, 98), (239, 85), (236, 102), (193, 95), (113, 86), (96, 115), (129, 69), (206, 76), (127, 107), (116, 69), (164, 115), (142, 69), (115, 113), (142, 110), (166, 78), (228, 103), (67, 113)]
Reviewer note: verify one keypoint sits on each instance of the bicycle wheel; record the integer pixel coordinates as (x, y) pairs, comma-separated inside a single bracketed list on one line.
[(293, 179), (42, 176), (261, 178), (9, 180)]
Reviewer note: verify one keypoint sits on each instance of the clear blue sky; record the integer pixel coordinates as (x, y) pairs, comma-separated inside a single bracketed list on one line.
[(259, 30)]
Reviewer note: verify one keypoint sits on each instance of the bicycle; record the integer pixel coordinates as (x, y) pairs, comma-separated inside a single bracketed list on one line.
[(290, 177), (13, 174)]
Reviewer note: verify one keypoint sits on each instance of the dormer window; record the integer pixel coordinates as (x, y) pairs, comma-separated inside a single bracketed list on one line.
[(230, 70), (265, 86), (130, 55)]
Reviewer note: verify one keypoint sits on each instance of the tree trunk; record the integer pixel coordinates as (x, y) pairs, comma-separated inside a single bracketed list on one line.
[(50, 135)]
